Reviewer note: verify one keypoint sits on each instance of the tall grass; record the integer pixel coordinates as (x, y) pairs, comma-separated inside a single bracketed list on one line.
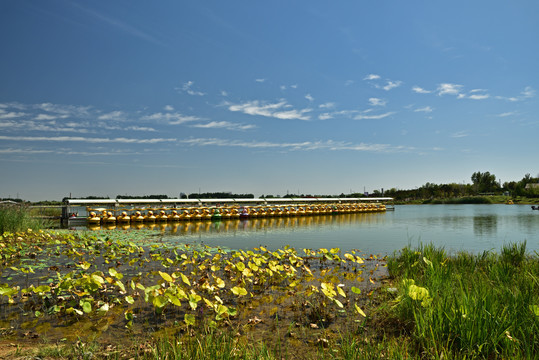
[(466, 306), (15, 218)]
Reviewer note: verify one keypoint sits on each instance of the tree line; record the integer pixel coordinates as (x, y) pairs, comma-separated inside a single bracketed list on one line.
[(483, 183)]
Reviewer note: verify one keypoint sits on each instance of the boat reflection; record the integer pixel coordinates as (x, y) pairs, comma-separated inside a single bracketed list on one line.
[(247, 225)]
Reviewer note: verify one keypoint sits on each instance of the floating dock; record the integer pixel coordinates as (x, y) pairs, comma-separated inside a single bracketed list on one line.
[(111, 211)]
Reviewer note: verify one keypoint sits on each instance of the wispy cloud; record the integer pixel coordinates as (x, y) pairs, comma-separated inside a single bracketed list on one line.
[(309, 97), (260, 80), (377, 102), (506, 114), (114, 115), (528, 92), (10, 115), (460, 134), (171, 118), (478, 96), (448, 89), (275, 110), (371, 77), (391, 85), (85, 139), (330, 145), (224, 125), (364, 116), (188, 88), (420, 90), (328, 105), (129, 29), (426, 109), (325, 116)]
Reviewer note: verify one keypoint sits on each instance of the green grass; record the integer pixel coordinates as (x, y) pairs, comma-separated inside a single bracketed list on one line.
[(18, 218), (466, 306)]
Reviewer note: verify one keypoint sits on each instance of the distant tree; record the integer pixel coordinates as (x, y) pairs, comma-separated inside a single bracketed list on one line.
[(484, 182)]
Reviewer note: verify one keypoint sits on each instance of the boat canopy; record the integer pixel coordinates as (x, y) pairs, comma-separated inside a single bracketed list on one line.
[(117, 202)]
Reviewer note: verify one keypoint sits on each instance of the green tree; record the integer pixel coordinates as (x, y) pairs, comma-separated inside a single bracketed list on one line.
[(484, 182)]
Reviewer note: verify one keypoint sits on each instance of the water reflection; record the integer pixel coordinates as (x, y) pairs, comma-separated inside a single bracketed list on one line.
[(472, 228), (486, 225), (189, 228)]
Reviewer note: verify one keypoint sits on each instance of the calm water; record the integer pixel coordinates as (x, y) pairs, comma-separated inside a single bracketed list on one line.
[(472, 228)]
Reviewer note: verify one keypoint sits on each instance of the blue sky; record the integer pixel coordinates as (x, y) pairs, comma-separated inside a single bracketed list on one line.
[(316, 97)]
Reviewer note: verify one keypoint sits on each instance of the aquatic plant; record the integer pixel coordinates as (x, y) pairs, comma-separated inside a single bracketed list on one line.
[(14, 218), (469, 306)]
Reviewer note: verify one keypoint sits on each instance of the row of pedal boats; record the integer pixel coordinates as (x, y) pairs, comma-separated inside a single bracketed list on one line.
[(223, 213)]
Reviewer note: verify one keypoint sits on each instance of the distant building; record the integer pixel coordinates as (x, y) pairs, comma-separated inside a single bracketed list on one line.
[(532, 186)]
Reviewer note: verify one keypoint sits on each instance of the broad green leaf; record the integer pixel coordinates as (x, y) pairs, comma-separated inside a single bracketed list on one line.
[(159, 301), (356, 290), (86, 306), (129, 299)]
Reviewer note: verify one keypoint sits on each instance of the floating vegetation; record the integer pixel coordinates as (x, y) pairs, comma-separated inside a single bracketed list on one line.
[(89, 284)]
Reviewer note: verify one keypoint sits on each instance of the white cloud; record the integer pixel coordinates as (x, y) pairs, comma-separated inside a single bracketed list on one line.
[(187, 87), (325, 116), (309, 97), (260, 80), (511, 99), (24, 151), (140, 128), (506, 114), (114, 115), (168, 108), (270, 110), (460, 134), (479, 96), (420, 90), (391, 85), (528, 92), (426, 109), (371, 77), (377, 102), (328, 105), (224, 125), (10, 115), (65, 111), (85, 139), (171, 118), (373, 117), (449, 89), (40, 117), (299, 146)]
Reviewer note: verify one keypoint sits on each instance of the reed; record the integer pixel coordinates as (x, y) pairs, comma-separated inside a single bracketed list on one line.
[(18, 218), (465, 306)]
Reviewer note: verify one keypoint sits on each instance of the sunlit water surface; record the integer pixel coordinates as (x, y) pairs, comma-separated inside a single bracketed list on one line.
[(472, 228)]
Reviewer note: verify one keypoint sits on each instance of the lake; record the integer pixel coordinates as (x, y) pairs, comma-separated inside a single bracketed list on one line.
[(472, 228)]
